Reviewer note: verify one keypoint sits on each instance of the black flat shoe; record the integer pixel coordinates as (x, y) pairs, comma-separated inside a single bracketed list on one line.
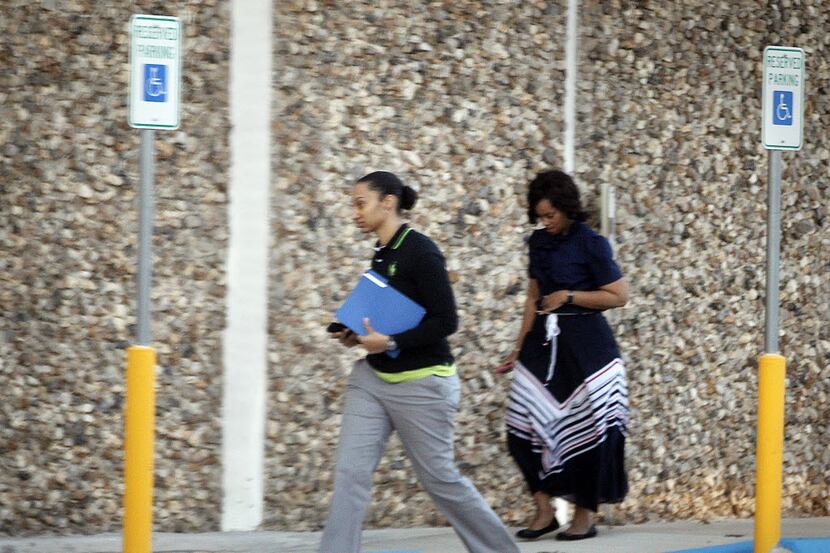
[(528, 534), (564, 536)]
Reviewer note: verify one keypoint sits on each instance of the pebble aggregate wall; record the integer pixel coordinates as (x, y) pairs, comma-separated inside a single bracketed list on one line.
[(464, 100), (68, 233), (674, 112)]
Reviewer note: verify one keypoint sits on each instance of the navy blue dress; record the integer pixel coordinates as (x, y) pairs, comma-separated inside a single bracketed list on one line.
[(568, 408)]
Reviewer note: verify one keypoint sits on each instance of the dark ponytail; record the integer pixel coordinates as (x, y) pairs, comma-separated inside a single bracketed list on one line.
[(408, 198), (386, 184)]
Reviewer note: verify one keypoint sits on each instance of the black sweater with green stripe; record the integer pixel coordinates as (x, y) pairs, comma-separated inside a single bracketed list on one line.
[(414, 266)]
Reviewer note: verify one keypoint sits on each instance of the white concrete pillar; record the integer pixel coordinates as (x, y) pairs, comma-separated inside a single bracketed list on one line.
[(571, 69), (245, 338), (563, 508)]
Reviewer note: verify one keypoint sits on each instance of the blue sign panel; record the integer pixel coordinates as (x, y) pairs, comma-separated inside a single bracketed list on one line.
[(782, 107), (155, 82)]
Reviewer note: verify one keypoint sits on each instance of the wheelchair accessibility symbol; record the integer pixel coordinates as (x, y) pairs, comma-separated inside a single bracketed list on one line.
[(782, 107), (155, 82)]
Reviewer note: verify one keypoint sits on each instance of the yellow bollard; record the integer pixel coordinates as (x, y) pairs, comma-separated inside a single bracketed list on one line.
[(138, 450), (769, 457)]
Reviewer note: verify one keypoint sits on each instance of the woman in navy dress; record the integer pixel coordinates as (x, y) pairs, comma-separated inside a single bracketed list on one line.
[(568, 407)]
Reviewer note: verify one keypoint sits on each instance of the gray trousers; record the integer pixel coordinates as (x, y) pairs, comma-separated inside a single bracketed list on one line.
[(422, 413)]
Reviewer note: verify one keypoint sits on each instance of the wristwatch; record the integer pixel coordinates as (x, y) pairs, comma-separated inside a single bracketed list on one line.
[(391, 344), (570, 299)]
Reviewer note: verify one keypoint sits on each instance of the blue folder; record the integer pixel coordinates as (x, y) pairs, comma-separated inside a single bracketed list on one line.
[(389, 311)]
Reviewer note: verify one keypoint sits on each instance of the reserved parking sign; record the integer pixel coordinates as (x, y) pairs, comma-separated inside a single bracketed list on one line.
[(155, 72), (783, 93)]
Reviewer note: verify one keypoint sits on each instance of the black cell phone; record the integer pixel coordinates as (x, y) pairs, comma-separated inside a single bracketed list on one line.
[(336, 327)]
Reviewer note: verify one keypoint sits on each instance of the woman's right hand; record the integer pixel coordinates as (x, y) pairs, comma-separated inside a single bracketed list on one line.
[(345, 337), (507, 364)]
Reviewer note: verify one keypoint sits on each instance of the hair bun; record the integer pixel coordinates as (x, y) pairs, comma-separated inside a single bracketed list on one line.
[(408, 197)]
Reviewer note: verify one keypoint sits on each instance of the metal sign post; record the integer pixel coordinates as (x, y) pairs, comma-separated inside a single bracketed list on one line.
[(155, 53), (608, 201), (773, 251), (782, 117), (145, 236)]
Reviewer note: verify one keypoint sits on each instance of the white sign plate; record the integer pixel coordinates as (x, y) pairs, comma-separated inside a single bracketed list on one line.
[(783, 110), (155, 71)]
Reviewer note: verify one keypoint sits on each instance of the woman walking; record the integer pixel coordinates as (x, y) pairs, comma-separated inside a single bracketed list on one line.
[(414, 393), (568, 407)]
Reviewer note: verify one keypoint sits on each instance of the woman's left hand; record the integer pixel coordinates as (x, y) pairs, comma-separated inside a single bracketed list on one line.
[(554, 301), (374, 341)]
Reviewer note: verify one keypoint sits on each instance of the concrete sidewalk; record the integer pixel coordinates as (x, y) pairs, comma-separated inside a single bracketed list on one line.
[(645, 538)]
